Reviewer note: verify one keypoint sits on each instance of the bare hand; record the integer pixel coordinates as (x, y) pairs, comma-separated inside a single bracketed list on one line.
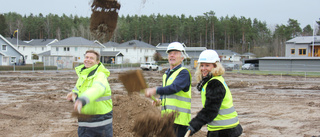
[(71, 96), (78, 106), (150, 92), (156, 103)]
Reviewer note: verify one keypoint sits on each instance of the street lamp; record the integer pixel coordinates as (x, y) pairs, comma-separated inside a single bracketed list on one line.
[(313, 40)]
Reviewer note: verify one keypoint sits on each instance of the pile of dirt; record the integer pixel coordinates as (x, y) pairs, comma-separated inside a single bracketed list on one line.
[(104, 18), (241, 84), (127, 109), (135, 116), (153, 125)]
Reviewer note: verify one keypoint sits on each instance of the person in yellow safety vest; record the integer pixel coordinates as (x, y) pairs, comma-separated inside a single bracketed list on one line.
[(175, 92), (218, 111), (92, 96)]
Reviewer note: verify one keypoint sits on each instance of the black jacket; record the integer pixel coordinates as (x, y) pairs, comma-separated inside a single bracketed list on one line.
[(215, 93)]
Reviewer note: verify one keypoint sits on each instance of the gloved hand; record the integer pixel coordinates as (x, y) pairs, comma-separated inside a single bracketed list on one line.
[(191, 129)]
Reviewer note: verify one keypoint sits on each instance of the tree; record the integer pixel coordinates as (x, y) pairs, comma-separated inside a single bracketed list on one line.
[(157, 56), (307, 31), (294, 28), (3, 25)]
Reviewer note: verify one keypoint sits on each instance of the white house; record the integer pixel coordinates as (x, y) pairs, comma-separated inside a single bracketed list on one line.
[(192, 52), (68, 51), (35, 47), (9, 54), (136, 51), (110, 55), (228, 55), (110, 46), (75, 47)]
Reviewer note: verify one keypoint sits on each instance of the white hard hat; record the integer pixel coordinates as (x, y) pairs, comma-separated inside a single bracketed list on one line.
[(175, 46), (208, 56)]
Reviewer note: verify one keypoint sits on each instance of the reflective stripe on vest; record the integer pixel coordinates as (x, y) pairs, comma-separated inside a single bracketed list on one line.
[(224, 122), (179, 102), (227, 116), (75, 88), (179, 98), (177, 109), (103, 98), (95, 124)]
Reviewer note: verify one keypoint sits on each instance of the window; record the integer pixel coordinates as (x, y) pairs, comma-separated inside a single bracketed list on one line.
[(66, 49), (140, 50), (302, 51), (57, 48), (126, 50), (75, 58), (42, 48), (24, 48), (13, 59), (4, 47), (35, 48), (75, 48), (292, 51)]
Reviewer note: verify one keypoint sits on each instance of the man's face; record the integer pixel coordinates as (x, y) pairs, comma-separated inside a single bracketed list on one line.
[(90, 59), (175, 58)]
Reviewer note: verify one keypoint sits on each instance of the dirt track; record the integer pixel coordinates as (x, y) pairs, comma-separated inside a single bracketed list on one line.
[(33, 104)]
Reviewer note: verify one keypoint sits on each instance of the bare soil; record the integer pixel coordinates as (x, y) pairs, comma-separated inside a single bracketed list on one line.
[(33, 104), (104, 18)]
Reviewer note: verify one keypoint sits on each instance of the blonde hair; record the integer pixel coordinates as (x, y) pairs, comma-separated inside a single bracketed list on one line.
[(217, 70)]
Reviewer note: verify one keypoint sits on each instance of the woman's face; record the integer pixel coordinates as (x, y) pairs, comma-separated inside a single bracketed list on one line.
[(206, 68)]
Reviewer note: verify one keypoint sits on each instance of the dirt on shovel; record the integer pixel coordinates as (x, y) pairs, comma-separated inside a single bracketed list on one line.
[(153, 125)]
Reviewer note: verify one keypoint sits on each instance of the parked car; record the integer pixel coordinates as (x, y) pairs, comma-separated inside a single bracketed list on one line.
[(247, 66), (230, 66), (149, 66)]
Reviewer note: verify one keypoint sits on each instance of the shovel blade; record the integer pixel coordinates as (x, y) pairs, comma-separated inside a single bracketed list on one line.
[(133, 81)]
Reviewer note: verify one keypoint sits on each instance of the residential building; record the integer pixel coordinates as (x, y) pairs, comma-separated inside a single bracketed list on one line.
[(110, 55), (35, 47), (192, 52), (75, 47), (135, 51), (248, 55), (69, 51), (303, 47), (228, 56), (9, 54)]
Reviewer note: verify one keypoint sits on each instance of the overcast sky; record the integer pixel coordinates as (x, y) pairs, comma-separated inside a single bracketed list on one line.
[(271, 11)]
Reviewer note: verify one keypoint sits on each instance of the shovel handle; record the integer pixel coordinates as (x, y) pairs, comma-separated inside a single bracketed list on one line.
[(188, 133), (153, 98)]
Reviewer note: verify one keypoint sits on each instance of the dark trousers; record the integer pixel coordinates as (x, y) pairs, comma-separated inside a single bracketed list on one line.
[(180, 130), (233, 132), (103, 131)]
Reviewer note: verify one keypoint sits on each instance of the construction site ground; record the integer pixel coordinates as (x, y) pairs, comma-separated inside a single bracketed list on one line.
[(33, 104)]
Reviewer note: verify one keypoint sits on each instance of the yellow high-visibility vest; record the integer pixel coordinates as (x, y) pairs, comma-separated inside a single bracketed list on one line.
[(179, 102), (227, 116)]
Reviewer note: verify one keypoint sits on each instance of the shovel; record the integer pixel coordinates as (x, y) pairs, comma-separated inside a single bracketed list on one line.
[(134, 81), (188, 133)]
